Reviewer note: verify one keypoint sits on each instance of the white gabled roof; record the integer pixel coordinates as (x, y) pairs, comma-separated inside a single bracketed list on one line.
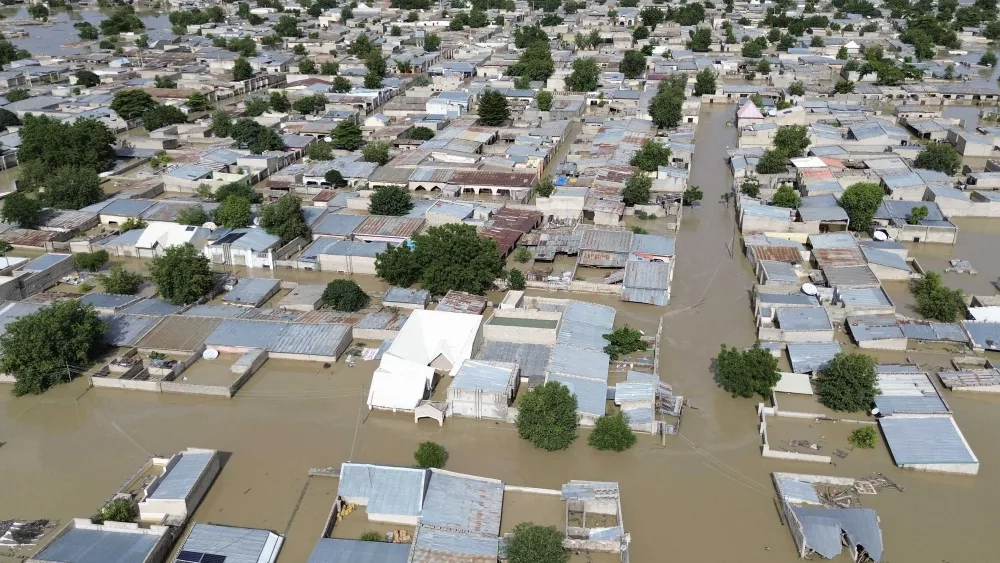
[(168, 234)]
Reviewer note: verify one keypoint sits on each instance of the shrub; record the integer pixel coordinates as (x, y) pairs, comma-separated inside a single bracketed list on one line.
[(612, 433), (847, 383), (117, 510), (531, 543), (744, 373), (516, 279), (936, 300), (624, 340), (91, 261), (522, 255), (865, 437), (430, 455), (121, 281), (345, 295), (130, 224), (371, 536), (547, 417)]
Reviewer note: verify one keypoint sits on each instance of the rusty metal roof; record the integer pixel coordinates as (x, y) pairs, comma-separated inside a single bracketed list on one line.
[(179, 333), (604, 240), (461, 302), (385, 226), (505, 238), (27, 237), (498, 179), (839, 257), (776, 253)]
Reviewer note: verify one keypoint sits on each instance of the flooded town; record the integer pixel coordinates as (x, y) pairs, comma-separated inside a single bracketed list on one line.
[(483, 281)]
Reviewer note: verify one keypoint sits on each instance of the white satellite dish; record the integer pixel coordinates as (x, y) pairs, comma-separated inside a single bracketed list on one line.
[(809, 289), (210, 354), (875, 411), (210, 225), (328, 139), (880, 235)]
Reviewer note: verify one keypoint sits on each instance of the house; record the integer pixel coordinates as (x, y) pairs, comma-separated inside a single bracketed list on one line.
[(112, 542), (429, 343), (392, 230), (253, 248), (483, 389), (647, 282), (796, 324), (252, 292), (211, 542), (928, 443), (406, 298), (157, 237), (892, 219), (329, 254), (173, 496)]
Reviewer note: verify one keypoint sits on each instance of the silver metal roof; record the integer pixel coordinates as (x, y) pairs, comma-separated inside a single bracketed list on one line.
[(803, 318), (807, 357), (833, 240), (46, 261), (463, 504), (822, 529), (407, 295), (864, 297), (850, 276), (178, 481), (237, 545), (653, 244), (797, 491), (887, 259), (390, 490), (333, 550), (216, 311), (245, 334), (590, 394), (107, 300), (867, 328), (99, 546), (533, 359), (126, 330), (925, 439), (984, 335), (338, 225), (484, 377), (310, 339), (779, 271), (433, 546), (579, 363), (778, 299), (153, 307), (252, 291)]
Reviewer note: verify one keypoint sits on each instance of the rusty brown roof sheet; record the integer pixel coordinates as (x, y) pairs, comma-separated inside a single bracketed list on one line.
[(776, 253), (461, 302), (180, 333), (498, 179), (839, 257), (505, 238), (324, 196), (385, 226), (28, 237)]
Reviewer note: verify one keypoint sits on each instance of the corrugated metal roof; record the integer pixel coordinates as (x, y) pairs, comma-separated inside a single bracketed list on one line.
[(338, 225), (46, 261), (126, 330), (588, 490), (237, 545), (602, 240), (779, 271), (775, 253), (887, 259), (797, 491), (803, 318), (310, 339), (575, 362), (778, 299), (434, 546), (484, 377), (183, 333), (216, 310), (647, 275), (461, 302), (591, 395), (925, 439), (390, 490), (851, 276), (632, 391), (386, 226), (99, 546), (874, 327), (807, 357), (127, 207), (984, 335), (153, 307), (407, 295), (533, 359), (822, 528), (932, 331), (178, 481), (864, 297), (252, 291), (600, 316), (495, 179), (970, 378), (838, 257), (333, 550), (463, 504), (108, 301)]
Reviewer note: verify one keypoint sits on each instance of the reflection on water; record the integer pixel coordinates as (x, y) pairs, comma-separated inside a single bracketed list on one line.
[(48, 38)]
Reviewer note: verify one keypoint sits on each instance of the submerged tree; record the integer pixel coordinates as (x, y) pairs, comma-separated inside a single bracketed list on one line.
[(547, 416), (182, 274), (345, 295), (430, 455), (612, 432), (530, 543), (744, 373), (847, 383), (623, 340)]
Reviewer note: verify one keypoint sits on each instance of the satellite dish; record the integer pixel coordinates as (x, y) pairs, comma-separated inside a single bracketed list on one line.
[(210, 354), (809, 289), (876, 412), (210, 225), (880, 235), (328, 139)]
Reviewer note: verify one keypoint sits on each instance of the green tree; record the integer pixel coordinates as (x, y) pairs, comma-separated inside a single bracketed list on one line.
[(193, 215), (421, 133), (861, 201), (544, 187), (701, 40), (398, 265), (50, 345), (284, 219), (132, 223), (242, 70), (692, 195), (162, 115), (237, 189), (750, 187), (39, 12), (255, 137), (753, 49), (377, 152), (637, 189), (329, 68), (119, 509), (221, 123), (432, 42), (640, 33), (941, 157), (515, 279), (493, 108), (448, 257), (844, 87), (786, 196), (612, 432), (130, 104), (91, 261), (989, 58), (88, 33), (17, 95), (763, 66), (623, 340), (547, 418), (21, 210), (287, 26), (847, 383), (307, 66), (651, 156), (279, 102), (233, 212), (164, 82), (796, 88), (748, 372), (705, 82), (320, 150), (198, 102), (544, 100), (666, 106), (530, 543), (390, 200), (254, 107), (72, 187), (865, 437), (917, 214), (523, 255), (182, 274), (341, 84), (937, 301), (87, 79), (8, 119), (772, 162), (345, 295), (346, 136), (584, 75), (120, 281), (335, 178), (430, 455), (792, 140), (534, 64)]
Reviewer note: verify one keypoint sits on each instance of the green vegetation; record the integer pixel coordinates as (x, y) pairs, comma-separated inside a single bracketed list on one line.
[(255, 137), (234, 213), (633, 64), (221, 123), (346, 136), (522, 255), (242, 70), (430, 455), (847, 383), (637, 189), (371, 536), (182, 274), (345, 295), (544, 100), (941, 157), (164, 82), (8, 119), (796, 88), (651, 156), (132, 104), (584, 75), (639, 230), (917, 214), (132, 223), (421, 133), (493, 108), (545, 187), (530, 543), (744, 373), (86, 78), (377, 152), (122, 20), (705, 82), (515, 279), (443, 258), (750, 187), (692, 195), (284, 219), (22, 210), (861, 201), (786, 196), (161, 116), (120, 509), (623, 340), (238, 189), (937, 301), (320, 150), (547, 418), (666, 106), (121, 281), (391, 200), (612, 432), (198, 102), (865, 437), (50, 345), (91, 261)]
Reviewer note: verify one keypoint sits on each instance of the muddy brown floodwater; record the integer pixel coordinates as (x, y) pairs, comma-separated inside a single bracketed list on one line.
[(705, 496)]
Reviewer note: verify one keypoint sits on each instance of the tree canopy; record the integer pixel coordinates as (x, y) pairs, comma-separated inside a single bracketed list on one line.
[(547, 416), (937, 301), (584, 75), (120, 281), (443, 258), (633, 64), (48, 346), (162, 115), (284, 219), (847, 383), (665, 107), (651, 156), (22, 210), (786, 196), (704, 82), (346, 136), (377, 152), (345, 295), (744, 373), (530, 543), (61, 161), (623, 340), (422, 133), (86, 78), (861, 201), (255, 137), (612, 432), (390, 200), (131, 104), (242, 70), (493, 108), (941, 157), (637, 189), (430, 455), (182, 274), (792, 140)]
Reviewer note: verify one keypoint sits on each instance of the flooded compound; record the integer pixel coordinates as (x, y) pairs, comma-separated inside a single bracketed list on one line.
[(706, 495)]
